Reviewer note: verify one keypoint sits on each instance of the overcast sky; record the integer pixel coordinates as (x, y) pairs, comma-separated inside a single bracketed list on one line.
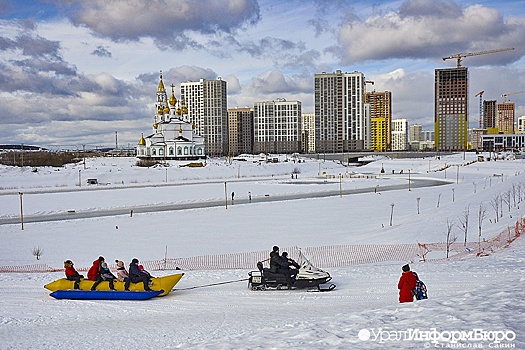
[(73, 72)]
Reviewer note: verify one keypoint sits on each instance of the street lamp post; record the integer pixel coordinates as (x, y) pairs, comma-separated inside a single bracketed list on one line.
[(340, 186), (226, 194), (21, 210)]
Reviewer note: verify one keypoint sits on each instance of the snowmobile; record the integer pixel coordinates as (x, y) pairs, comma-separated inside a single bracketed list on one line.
[(308, 276)]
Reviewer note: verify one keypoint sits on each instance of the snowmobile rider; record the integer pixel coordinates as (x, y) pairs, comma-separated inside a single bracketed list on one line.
[(278, 265), (291, 263), (72, 274)]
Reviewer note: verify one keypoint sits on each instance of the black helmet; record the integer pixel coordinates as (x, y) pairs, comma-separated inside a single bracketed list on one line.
[(275, 248)]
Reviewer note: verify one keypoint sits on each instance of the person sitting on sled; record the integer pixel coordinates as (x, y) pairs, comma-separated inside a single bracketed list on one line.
[(136, 276), (122, 274), (407, 283), (72, 274), (94, 270), (105, 275), (291, 263)]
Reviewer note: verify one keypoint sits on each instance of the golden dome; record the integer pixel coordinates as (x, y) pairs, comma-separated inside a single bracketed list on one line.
[(193, 126), (160, 110), (166, 110), (142, 142), (180, 129), (173, 100), (155, 126), (184, 110), (178, 111)]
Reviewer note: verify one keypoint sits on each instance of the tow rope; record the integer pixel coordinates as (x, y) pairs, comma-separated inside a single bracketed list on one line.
[(210, 285)]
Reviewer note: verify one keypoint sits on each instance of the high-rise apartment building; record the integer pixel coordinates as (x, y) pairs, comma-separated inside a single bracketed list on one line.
[(240, 131), (380, 119), (415, 132), (489, 114), (399, 135), (451, 108), (427, 135), (308, 138), (505, 117), (340, 121), (207, 109), (277, 127)]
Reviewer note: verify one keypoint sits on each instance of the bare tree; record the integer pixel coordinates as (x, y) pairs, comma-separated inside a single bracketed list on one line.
[(495, 202), (463, 220), (519, 189), (507, 199), (37, 252), (450, 237), (514, 193), (439, 198), (482, 214)]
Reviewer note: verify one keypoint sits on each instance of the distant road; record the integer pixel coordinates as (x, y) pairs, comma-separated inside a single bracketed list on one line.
[(415, 183)]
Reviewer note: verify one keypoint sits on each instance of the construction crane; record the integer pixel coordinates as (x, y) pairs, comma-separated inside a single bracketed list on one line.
[(480, 94), (460, 56), (509, 94)]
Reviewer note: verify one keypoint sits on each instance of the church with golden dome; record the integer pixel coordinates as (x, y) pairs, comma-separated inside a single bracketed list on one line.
[(174, 136)]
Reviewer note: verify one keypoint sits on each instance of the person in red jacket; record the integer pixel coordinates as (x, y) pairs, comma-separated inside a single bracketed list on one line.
[(406, 284), (94, 270), (72, 274)]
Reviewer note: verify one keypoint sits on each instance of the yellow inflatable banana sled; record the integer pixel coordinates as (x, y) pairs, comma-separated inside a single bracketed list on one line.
[(165, 283)]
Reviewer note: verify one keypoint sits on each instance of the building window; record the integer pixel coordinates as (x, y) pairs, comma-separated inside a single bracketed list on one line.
[(154, 152), (179, 151), (185, 150), (171, 151)]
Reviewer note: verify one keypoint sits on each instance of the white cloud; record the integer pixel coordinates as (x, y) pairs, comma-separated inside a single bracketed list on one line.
[(416, 32), (162, 20)]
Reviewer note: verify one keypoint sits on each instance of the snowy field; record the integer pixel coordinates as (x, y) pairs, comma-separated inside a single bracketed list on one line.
[(477, 299)]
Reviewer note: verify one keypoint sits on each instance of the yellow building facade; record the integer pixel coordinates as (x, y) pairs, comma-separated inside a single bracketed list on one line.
[(380, 109)]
